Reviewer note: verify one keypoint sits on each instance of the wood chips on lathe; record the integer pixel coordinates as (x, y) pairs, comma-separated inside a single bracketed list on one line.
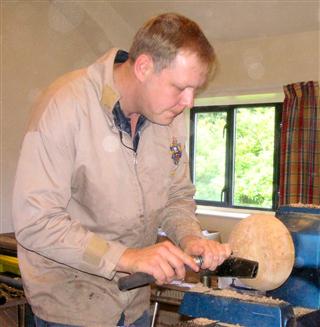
[(236, 295)]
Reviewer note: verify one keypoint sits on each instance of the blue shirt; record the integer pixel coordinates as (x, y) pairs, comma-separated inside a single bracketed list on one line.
[(121, 121)]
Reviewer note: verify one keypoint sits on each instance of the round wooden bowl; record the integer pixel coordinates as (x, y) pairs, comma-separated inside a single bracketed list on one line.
[(265, 239)]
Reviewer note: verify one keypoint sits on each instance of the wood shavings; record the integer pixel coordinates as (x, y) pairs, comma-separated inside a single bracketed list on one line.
[(300, 311), (197, 322), (199, 288), (203, 322), (302, 205)]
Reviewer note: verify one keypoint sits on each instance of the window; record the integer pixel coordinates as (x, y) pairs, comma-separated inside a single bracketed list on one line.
[(234, 154)]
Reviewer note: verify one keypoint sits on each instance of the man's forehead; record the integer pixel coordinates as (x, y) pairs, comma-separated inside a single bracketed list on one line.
[(186, 56), (192, 74)]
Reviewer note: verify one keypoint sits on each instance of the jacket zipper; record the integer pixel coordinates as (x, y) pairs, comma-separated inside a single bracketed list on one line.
[(135, 161)]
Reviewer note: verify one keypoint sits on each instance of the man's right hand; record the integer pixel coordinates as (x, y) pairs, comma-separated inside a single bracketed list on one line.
[(164, 261)]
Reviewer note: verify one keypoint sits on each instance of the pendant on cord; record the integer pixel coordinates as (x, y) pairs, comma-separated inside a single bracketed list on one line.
[(176, 151)]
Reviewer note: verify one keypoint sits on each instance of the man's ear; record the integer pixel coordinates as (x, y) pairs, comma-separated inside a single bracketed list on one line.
[(143, 67)]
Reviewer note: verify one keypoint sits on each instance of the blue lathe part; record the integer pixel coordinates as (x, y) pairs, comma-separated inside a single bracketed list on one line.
[(302, 288), (236, 311)]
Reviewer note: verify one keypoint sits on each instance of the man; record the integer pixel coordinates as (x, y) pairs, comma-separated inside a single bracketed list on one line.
[(102, 166)]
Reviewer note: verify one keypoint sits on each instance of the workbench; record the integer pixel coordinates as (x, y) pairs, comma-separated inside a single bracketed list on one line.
[(15, 312)]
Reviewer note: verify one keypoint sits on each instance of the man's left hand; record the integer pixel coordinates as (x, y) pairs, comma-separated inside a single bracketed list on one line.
[(212, 252)]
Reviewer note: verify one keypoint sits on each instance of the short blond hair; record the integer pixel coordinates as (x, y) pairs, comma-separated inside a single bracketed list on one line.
[(163, 36)]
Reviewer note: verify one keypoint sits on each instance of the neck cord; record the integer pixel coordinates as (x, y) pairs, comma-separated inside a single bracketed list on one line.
[(121, 140)]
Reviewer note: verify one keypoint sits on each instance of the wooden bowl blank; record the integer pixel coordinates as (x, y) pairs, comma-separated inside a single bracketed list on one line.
[(265, 239)]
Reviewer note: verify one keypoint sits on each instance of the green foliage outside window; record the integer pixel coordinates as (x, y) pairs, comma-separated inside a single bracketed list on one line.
[(210, 155), (254, 149), (250, 164)]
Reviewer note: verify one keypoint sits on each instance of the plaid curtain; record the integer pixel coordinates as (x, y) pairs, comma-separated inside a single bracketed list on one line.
[(300, 145)]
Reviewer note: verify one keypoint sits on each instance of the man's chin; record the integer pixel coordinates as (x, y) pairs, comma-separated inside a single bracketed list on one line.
[(164, 122)]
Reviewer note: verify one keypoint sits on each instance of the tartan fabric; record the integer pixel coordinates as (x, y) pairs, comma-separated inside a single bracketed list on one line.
[(300, 145)]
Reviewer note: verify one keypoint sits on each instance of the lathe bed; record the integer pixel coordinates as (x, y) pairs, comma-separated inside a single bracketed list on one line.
[(296, 303)]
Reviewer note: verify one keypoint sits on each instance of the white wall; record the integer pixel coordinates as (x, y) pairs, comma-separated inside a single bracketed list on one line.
[(39, 43), (264, 65), (217, 223)]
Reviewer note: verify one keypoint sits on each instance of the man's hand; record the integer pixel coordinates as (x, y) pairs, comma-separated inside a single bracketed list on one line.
[(164, 261), (212, 252)]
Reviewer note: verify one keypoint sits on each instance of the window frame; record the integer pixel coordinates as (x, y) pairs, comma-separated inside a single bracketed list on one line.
[(228, 189)]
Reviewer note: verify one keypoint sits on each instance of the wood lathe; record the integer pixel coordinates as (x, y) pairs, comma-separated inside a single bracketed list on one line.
[(286, 291)]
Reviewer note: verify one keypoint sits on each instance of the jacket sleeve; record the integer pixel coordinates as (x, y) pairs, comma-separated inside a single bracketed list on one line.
[(178, 218), (43, 189)]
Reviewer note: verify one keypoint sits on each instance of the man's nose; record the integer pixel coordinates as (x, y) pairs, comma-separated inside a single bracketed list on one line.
[(188, 98)]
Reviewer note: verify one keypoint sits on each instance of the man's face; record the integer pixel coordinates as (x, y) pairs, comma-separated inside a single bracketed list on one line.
[(167, 93)]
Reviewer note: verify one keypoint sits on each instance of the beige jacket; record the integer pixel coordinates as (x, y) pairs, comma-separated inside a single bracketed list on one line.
[(81, 198)]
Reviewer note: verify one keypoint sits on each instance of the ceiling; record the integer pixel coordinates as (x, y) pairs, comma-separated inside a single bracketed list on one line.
[(229, 20), (221, 20)]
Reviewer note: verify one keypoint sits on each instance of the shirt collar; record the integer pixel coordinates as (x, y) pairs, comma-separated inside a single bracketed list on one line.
[(123, 123)]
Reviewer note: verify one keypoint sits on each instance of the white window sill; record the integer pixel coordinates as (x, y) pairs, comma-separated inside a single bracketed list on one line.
[(229, 212)]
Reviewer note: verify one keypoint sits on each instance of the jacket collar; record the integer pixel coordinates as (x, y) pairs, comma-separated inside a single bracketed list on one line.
[(101, 75), (109, 95)]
